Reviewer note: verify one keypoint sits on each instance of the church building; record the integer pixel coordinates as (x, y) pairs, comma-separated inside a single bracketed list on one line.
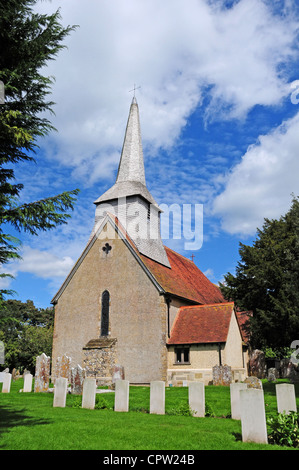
[(131, 301)]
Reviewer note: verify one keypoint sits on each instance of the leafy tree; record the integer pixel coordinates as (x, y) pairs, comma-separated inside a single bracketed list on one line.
[(26, 332), (267, 282), (28, 41)]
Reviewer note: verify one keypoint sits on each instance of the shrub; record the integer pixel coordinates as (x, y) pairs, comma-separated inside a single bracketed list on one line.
[(182, 410), (101, 403), (209, 410), (284, 429), (77, 402)]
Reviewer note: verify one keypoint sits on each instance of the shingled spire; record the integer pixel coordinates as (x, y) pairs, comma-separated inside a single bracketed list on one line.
[(131, 166), (130, 200), (130, 178)]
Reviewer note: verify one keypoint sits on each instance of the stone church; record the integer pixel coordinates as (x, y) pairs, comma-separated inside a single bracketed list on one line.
[(131, 301)]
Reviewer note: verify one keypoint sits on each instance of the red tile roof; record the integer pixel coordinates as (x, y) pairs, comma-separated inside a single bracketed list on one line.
[(184, 279), (202, 324)]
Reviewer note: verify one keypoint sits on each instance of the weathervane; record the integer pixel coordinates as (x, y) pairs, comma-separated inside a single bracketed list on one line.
[(134, 89)]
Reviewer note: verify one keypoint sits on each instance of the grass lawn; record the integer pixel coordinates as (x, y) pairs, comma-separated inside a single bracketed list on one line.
[(28, 421)]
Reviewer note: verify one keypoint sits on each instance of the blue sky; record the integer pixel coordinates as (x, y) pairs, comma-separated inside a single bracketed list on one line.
[(219, 111)]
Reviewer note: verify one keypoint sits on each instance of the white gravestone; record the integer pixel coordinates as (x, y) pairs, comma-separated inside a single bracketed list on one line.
[(6, 383), (121, 402), (235, 399), (89, 393), (286, 398), (60, 391), (157, 397), (28, 383), (197, 399), (253, 417)]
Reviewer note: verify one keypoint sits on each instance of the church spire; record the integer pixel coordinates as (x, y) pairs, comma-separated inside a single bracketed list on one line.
[(130, 178), (130, 200), (131, 166)]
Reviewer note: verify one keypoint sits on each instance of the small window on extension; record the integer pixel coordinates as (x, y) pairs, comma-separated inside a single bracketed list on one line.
[(182, 355)]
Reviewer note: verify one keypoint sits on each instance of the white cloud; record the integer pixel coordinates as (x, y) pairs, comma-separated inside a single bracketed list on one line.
[(260, 186), (44, 264), (175, 53), (40, 263)]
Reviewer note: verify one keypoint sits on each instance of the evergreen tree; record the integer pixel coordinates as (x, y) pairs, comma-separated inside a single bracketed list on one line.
[(28, 41), (267, 282)]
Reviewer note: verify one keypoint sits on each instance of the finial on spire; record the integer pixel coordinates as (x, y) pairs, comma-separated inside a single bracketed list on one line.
[(134, 89)]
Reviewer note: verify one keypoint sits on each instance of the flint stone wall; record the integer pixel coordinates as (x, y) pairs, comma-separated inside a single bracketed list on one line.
[(99, 357)]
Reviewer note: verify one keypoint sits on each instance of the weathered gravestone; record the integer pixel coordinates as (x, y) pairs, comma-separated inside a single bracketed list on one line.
[(89, 393), (60, 391), (222, 375), (253, 417), (157, 397), (77, 378), (63, 367), (28, 383), (6, 383), (235, 398), (294, 375), (257, 364), (253, 382), (197, 399), (42, 373), (121, 400), (289, 370), (286, 398), (272, 374), (118, 373)]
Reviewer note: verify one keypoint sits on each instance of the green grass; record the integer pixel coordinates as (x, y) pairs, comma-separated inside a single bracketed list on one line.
[(29, 422)]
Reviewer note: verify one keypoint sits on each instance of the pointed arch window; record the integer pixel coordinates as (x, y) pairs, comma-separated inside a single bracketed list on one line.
[(105, 313)]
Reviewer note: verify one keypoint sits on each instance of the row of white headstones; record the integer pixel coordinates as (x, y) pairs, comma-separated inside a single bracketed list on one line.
[(247, 404)]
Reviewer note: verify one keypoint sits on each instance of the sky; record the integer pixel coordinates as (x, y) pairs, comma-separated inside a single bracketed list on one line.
[(219, 112)]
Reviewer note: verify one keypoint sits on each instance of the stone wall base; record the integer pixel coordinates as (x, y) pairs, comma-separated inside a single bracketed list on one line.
[(99, 358), (182, 377)]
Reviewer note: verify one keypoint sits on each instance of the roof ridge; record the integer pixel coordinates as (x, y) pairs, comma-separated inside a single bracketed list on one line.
[(207, 305), (179, 254)]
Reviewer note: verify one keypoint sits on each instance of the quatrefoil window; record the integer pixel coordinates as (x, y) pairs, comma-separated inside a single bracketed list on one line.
[(107, 248)]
